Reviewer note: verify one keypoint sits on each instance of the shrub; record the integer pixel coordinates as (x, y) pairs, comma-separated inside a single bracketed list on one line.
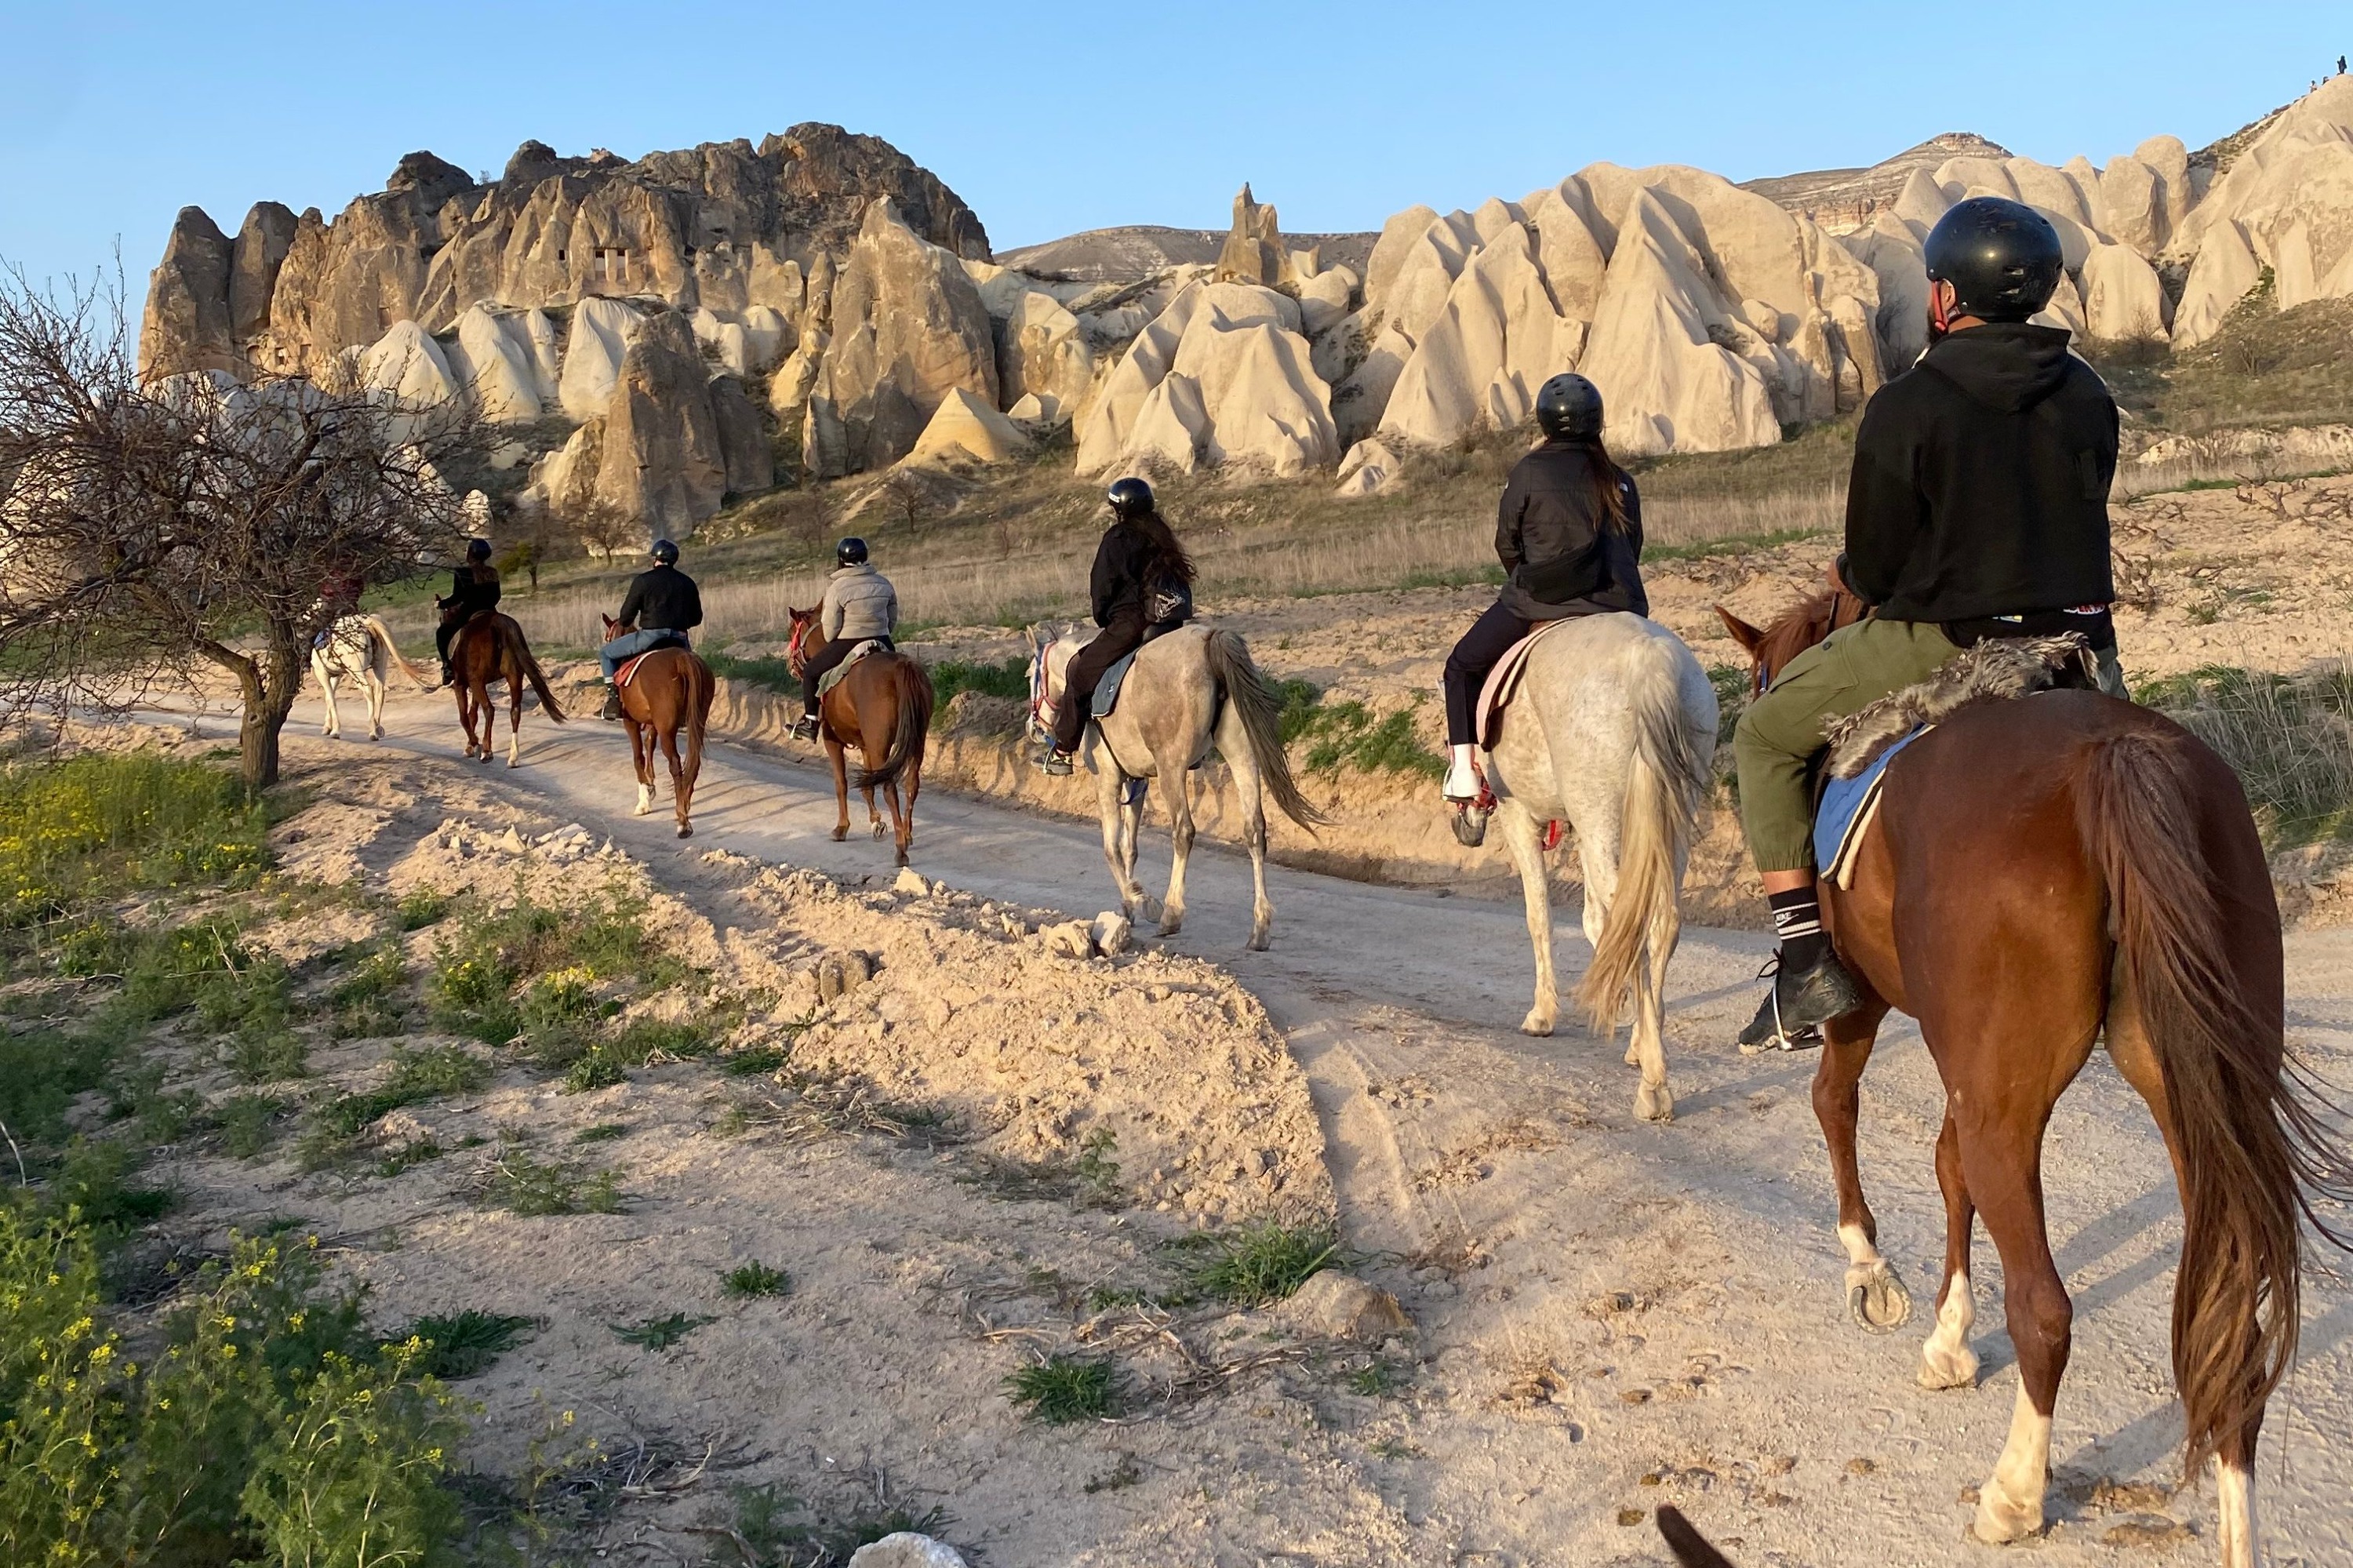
[(658, 1333), (1256, 1264), (1063, 1389), (2290, 738), (460, 1344), (416, 1077), (755, 1279)]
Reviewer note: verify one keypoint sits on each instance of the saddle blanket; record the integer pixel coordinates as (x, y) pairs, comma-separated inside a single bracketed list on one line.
[(628, 670), (1848, 808), (1503, 683), (832, 677), (1107, 689)]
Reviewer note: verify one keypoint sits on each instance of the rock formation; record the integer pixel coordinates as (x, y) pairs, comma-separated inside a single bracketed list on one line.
[(1253, 250)]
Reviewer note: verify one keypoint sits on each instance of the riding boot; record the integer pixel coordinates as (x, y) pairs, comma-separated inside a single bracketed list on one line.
[(805, 727), (448, 676), (1802, 1000), (612, 702), (1463, 780), (1055, 762)]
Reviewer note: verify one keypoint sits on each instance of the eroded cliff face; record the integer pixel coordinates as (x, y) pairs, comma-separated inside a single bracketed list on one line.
[(726, 226)]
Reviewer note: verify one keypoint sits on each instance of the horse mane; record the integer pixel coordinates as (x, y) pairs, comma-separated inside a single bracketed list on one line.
[(1805, 623)]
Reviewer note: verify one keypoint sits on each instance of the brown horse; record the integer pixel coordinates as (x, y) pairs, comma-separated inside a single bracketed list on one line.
[(2042, 871), (882, 705), (671, 688), (490, 648)]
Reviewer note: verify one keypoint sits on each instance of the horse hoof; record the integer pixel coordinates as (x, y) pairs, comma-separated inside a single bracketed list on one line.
[(1259, 940), (684, 832), (1169, 928), (878, 830), (1876, 1299), (839, 834), (1633, 1057), (1655, 1102), (2001, 1519), (1942, 1369)]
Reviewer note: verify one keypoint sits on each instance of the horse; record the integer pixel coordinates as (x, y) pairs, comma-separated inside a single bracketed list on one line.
[(671, 688), (1612, 731), (491, 647), (882, 705), (2042, 871), (359, 648), (1188, 688)]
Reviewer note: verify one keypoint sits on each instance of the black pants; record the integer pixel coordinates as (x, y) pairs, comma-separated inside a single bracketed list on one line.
[(447, 631), (1481, 649), (822, 663), (1125, 635)]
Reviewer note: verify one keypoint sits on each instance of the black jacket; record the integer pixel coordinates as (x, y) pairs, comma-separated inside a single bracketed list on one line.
[(472, 589), (1118, 585), (1558, 557), (663, 599), (1981, 480)]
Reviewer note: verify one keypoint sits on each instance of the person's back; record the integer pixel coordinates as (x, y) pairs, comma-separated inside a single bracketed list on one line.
[(860, 604), (662, 599)]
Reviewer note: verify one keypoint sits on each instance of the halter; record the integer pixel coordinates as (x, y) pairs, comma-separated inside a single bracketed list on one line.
[(796, 654), (1043, 708)]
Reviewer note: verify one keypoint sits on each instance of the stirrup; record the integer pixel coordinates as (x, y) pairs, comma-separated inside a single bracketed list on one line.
[(1756, 1042), (1055, 762), (805, 727)]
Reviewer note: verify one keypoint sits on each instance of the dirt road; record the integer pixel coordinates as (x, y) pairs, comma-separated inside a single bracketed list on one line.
[(1614, 1315)]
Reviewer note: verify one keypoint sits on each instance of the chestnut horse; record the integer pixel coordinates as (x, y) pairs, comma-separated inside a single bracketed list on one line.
[(882, 705), (2041, 871), (491, 647), (670, 688)]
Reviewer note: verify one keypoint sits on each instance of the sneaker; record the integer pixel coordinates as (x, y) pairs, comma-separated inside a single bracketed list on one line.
[(805, 727), (1802, 1001), (1463, 780), (612, 702), (1056, 762)]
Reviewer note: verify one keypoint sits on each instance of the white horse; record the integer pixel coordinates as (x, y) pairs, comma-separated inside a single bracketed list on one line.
[(1612, 731), (359, 648), (1186, 689)]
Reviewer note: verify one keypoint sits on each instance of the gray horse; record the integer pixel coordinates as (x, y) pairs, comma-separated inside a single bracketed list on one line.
[(1613, 732), (1186, 690)]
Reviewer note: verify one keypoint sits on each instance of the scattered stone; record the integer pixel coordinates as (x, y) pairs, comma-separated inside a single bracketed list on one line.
[(1347, 1307), (1113, 934), (1071, 939), (906, 1549), (910, 883), (839, 974)]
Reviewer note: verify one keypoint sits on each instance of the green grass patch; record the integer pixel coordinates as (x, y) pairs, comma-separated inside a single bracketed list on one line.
[(768, 1523), (536, 1187), (415, 1077), (1253, 1266), (754, 1279), (950, 676), (603, 1132), (464, 1344), (1063, 1389), (247, 1123), (752, 1063), (423, 906), (1347, 735), (1731, 544), (658, 1333), (2289, 738), (98, 826)]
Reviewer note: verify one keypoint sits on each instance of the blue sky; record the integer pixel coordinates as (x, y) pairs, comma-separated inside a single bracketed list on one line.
[(1052, 119)]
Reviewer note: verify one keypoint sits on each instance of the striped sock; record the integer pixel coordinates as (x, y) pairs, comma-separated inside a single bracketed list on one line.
[(1798, 923)]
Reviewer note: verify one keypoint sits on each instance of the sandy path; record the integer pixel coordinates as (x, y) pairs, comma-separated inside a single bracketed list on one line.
[(1615, 1315)]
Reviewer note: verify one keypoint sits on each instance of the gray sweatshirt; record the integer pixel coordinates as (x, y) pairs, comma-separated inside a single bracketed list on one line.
[(859, 604)]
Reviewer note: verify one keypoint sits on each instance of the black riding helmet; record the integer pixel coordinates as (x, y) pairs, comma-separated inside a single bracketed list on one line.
[(478, 549), (1131, 498), (2002, 257), (849, 552), (665, 552), (1569, 408)]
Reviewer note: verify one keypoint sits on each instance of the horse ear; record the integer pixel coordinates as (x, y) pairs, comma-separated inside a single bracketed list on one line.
[(1748, 636)]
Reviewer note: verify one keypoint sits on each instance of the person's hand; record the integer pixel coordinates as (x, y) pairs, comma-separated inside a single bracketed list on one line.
[(1836, 576)]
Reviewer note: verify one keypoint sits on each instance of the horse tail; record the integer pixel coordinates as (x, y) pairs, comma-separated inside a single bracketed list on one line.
[(1665, 783), (1260, 708), (529, 664), (383, 635), (695, 676), (914, 723), (2250, 1148)]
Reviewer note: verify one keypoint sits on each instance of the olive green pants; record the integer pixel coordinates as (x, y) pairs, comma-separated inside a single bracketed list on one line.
[(1780, 736)]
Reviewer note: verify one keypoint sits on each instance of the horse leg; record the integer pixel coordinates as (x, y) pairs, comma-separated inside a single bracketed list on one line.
[(1250, 791), (330, 724), (1118, 835), (514, 717), (1653, 1101), (839, 756), (1522, 842), (642, 763), (914, 781), (898, 820), (668, 739), (374, 683), (1180, 833), (1130, 835), (873, 816), (1876, 1297), (1946, 1360), (2003, 1161)]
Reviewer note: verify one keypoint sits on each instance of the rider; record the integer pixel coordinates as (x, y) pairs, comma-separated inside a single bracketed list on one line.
[(473, 590), (663, 604), (1569, 533), (1142, 586), (860, 606), (1977, 508)]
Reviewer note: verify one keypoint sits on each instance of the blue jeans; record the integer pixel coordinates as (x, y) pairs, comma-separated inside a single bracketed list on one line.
[(630, 644)]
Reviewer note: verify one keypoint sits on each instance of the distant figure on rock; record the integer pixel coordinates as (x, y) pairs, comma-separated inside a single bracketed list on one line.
[(860, 606), (1569, 533), (1142, 585), (661, 607), (473, 590), (1977, 508)]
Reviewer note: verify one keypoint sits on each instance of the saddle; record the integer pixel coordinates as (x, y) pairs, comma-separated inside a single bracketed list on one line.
[(1106, 696), (1865, 742), (832, 677), (1503, 683)]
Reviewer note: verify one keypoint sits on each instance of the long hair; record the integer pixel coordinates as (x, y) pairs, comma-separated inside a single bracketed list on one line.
[(1168, 561), (1611, 485)]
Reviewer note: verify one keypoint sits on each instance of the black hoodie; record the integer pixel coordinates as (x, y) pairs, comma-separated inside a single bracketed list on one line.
[(1980, 482)]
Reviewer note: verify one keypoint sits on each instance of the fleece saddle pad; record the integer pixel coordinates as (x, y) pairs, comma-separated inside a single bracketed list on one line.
[(1107, 689), (1503, 683), (832, 677), (1849, 806)]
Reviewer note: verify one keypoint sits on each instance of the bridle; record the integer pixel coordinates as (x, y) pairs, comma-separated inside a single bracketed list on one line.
[(1043, 708), (797, 650)]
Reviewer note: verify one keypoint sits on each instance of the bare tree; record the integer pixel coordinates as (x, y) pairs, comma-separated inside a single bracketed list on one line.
[(147, 531), (603, 527)]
